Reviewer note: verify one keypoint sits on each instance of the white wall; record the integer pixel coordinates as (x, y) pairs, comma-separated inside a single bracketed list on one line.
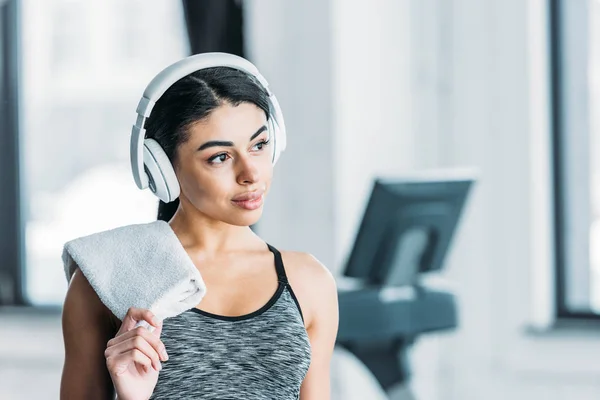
[(297, 62), (373, 132), (408, 84)]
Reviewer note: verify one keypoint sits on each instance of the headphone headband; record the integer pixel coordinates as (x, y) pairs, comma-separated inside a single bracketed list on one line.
[(168, 76), (173, 73)]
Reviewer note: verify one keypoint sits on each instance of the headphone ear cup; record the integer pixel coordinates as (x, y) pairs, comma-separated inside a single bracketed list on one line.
[(163, 181)]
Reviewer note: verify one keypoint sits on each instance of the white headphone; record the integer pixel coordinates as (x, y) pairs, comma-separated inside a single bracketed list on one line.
[(149, 163)]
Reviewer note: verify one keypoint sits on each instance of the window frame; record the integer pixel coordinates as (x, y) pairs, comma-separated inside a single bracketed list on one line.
[(563, 311), (11, 246)]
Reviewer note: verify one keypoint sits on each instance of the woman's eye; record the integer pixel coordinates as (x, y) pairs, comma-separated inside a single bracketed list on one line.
[(218, 159), (261, 144)]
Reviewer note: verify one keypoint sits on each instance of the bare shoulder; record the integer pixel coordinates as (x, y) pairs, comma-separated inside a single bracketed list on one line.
[(307, 265), (86, 327), (82, 303), (312, 282)]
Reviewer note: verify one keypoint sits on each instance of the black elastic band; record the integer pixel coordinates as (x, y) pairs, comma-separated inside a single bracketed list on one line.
[(281, 276)]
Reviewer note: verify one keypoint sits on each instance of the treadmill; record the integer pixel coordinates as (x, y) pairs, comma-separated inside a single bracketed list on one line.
[(385, 303)]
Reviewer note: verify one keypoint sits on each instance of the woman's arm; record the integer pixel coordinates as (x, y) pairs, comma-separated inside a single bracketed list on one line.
[(322, 328), (87, 327)]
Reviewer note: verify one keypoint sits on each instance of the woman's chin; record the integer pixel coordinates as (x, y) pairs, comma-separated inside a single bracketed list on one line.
[(245, 218)]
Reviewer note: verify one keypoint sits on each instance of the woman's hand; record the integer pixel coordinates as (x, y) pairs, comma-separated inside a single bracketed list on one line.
[(133, 356)]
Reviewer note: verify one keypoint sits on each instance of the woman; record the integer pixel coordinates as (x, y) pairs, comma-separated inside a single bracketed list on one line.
[(267, 325)]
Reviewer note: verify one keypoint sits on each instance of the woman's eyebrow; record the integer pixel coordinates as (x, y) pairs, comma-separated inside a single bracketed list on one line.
[(215, 143)]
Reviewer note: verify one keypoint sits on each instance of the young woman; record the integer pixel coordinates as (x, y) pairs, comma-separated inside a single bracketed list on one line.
[(267, 325)]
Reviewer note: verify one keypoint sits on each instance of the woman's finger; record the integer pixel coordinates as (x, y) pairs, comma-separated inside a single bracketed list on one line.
[(137, 314), (150, 337), (139, 343), (119, 363)]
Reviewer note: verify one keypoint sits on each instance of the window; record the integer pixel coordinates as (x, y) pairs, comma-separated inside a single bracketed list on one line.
[(79, 94), (595, 153), (575, 43), (67, 28)]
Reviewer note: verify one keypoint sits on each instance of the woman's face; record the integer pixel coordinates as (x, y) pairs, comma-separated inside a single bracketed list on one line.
[(225, 167)]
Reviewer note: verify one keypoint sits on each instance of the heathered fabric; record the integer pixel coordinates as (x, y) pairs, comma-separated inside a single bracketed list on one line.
[(261, 355)]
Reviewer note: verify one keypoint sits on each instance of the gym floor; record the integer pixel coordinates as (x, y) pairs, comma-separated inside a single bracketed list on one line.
[(31, 354)]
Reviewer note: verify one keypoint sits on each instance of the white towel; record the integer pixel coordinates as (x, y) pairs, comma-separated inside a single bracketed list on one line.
[(140, 265)]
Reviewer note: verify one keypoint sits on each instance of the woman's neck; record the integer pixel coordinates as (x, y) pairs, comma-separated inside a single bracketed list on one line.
[(212, 237)]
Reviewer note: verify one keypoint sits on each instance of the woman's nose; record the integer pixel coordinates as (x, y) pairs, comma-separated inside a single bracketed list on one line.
[(248, 172)]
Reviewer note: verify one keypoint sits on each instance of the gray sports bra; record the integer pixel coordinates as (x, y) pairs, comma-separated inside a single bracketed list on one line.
[(261, 355)]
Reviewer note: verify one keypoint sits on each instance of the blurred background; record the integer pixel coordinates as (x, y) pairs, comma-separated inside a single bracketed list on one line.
[(507, 88)]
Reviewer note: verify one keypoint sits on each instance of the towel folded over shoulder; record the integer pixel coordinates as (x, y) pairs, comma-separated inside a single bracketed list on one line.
[(141, 265)]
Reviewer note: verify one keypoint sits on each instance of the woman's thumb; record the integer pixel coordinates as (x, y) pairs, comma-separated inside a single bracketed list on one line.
[(158, 330), (138, 317)]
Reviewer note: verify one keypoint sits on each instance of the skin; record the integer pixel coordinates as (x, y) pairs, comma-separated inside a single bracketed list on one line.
[(234, 262)]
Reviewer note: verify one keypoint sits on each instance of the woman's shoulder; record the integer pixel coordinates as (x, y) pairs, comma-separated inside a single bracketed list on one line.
[(305, 265), (83, 303), (86, 328), (312, 282)]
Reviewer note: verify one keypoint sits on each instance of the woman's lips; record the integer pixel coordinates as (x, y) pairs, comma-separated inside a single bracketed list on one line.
[(249, 204)]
